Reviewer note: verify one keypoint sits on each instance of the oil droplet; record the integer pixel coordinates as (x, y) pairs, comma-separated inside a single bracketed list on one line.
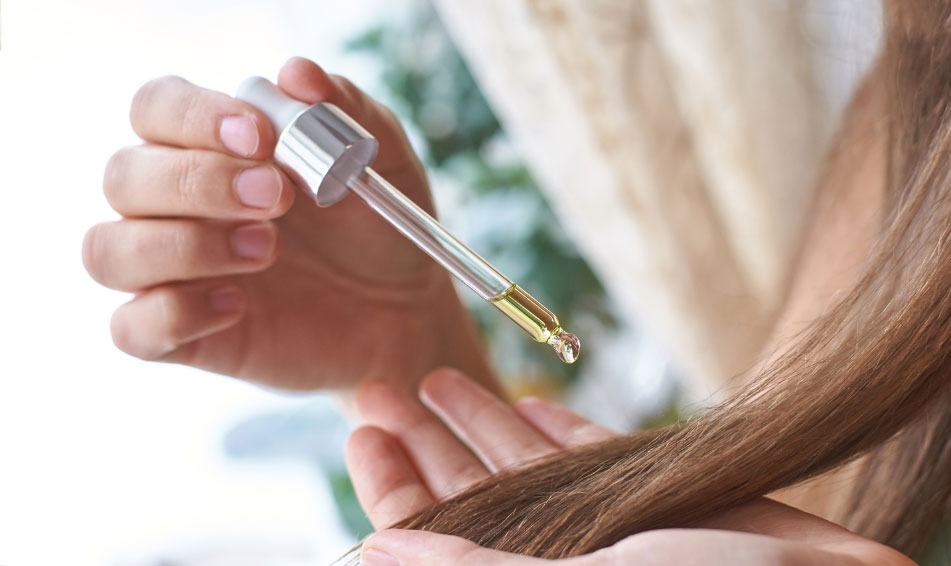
[(566, 345)]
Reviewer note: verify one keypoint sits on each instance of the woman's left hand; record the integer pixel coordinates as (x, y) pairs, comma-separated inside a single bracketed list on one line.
[(405, 459)]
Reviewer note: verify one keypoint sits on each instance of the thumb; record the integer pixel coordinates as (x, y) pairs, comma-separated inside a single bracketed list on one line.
[(422, 548)]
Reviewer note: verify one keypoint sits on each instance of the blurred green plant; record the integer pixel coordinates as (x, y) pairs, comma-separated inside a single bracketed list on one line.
[(345, 497), (458, 136)]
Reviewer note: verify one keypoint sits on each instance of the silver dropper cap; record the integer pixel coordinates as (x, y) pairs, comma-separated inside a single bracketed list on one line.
[(320, 147)]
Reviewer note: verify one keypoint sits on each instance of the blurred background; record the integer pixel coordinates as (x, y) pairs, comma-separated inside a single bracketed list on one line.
[(105, 459), (109, 460)]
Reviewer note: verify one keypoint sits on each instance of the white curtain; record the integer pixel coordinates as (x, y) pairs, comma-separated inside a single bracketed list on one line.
[(678, 141)]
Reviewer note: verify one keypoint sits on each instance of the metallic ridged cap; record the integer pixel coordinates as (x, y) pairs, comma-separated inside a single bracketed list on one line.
[(320, 147)]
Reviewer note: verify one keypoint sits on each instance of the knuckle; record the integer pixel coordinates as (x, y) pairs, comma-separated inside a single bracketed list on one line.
[(190, 180), (93, 252), (191, 112), (169, 316), (138, 242), (184, 245), (122, 333), (147, 95), (145, 341), (115, 175), (162, 83)]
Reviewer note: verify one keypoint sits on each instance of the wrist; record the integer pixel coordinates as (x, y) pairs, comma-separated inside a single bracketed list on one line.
[(445, 335)]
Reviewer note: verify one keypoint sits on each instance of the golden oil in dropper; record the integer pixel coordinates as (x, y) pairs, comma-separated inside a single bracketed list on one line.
[(540, 323)]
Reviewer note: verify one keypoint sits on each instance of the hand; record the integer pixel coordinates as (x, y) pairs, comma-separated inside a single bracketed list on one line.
[(233, 274), (406, 459)]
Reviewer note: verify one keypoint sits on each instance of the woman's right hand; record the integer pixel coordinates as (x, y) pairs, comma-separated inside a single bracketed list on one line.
[(233, 274)]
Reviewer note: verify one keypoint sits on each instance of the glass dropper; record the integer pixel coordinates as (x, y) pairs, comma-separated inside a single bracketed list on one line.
[(326, 151)]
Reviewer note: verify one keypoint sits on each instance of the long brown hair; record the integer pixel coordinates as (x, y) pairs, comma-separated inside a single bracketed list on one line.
[(868, 383)]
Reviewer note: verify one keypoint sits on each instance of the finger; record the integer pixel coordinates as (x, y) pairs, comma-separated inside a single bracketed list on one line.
[(702, 546), (444, 464), (764, 516), (172, 111), (131, 255), (305, 80), (422, 548), (387, 485), (652, 548), (563, 427), (156, 180), (485, 423), (161, 320)]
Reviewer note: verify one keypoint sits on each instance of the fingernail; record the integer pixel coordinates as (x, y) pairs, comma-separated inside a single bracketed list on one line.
[(225, 299), (259, 187), (374, 557), (239, 134), (255, 241)]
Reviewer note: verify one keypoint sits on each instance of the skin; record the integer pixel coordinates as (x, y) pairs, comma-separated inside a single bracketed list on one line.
[(406, 457), (281, 293), (313, 298)]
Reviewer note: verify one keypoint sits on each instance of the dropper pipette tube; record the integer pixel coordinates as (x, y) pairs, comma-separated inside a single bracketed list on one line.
[(469, 267), (424, 231)]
